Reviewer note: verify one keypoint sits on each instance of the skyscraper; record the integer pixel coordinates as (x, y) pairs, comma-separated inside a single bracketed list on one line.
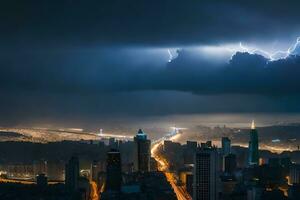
[(294, 174), (189, 151), (72, 174), (253, 157), (41, 181), (230, 163), (113, 170), (142, 152), (206, 174), (226, 146)]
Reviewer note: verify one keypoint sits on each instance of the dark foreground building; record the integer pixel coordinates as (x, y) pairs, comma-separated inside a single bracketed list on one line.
[(142, 186), (206, 175), (113, 170), (142, 148), (72, 174)]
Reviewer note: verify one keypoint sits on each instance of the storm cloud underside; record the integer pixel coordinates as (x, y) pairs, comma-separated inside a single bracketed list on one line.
[(78, 61)]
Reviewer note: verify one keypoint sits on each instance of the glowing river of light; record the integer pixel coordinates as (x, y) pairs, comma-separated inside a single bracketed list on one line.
[(163, 166)]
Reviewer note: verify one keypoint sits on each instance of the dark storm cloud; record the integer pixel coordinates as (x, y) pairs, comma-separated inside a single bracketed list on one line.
[(63, 60), (111, 70), (80, 87), (244, 74), (158, 22)]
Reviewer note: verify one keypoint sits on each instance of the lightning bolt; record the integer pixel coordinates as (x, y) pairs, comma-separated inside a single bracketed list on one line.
[(287, 53), (245, 49), (170, 56), (269, 55), (293, 48)]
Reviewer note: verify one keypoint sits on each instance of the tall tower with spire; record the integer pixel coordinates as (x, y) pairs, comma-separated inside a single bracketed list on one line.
[(253, 155)]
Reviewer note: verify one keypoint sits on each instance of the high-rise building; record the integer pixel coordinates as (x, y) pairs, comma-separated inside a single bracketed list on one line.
[(153, 164), (84, 188), (206, 174), (55, 170), (189, 151), (72, 174), (294, 192), (253, 155), (228, 186), (142, 152), (41, 181), (226, 146), (286, 162), (254, 193), (189, 184), (274, 162), (192, 144), (230, 163), (113, 170), (294, 174)]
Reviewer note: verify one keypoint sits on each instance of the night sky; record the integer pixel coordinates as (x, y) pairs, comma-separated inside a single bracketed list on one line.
[(71, 60)]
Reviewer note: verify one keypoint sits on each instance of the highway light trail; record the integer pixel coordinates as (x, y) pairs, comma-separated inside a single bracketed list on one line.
[(163, 164)]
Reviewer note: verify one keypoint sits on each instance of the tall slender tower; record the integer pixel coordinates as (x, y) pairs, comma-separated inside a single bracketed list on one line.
[(142, 149), (253, 146)]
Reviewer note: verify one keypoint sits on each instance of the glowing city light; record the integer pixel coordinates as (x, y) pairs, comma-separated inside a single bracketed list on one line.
[(253, 125)]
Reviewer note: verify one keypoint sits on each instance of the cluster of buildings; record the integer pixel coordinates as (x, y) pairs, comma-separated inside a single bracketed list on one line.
[(225, 174), (28, 171), (142, 182), (126, 170)]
